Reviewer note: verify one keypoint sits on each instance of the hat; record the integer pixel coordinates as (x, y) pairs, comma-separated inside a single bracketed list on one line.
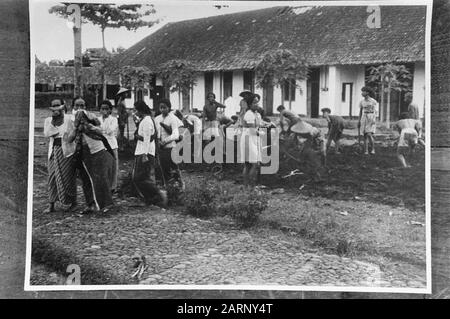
[(245, 94), (302, 127), (122, 90)]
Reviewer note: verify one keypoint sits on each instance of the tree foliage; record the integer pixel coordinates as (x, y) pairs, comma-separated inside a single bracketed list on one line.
[(393, 76), (112, 16), (135, 77), (278, 67), (178, 75), (388, 77)]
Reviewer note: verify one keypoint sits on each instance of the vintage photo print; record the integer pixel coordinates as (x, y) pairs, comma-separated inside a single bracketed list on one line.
[(230, 145)]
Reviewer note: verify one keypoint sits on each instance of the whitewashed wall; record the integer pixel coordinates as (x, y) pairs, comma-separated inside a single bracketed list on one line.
[(199, 92), (419, 87), (298, 106), (238, 83), (350, 74), (216, 86), (332, 98)]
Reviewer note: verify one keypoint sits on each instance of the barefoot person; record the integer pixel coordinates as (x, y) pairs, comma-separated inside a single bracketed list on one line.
[(210, 123), (250, 144), (413, 109), (368, 109), (109, 125), (144, 162), (335, 128), (62, 185), (167, 125), (94, 161), (410, 131), (313, 146), (288, 116)]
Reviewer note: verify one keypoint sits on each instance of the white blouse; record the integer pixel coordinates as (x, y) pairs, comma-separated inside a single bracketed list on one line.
[(146, 130), (110, 127), (63, 130)]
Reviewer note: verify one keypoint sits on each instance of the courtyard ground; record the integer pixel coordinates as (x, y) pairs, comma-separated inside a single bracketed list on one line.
[(362, 225)]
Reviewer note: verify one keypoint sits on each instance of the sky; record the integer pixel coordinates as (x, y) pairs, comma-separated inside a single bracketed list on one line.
[(52, 38)]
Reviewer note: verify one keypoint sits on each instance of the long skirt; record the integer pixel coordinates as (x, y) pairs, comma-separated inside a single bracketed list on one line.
[(95, 175), (62, 183), (115, 170), (143, 181), (170, 170), (250, 147)]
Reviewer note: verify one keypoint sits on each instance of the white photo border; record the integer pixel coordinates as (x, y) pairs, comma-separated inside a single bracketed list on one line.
[(328, 288)]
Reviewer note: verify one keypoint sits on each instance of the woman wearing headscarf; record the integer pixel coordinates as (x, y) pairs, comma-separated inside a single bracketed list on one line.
[(62, 185), (93, 159), (144, 162), (109, 126)]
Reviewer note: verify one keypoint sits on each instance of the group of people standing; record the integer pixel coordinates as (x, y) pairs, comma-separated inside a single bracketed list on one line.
[(85, 146), (409, 127)]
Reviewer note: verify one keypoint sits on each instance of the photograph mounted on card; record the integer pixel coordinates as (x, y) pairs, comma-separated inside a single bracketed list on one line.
[(230, 145)]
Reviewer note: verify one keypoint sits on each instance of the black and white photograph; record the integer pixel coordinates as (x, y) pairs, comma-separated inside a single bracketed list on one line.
[(256, 145)]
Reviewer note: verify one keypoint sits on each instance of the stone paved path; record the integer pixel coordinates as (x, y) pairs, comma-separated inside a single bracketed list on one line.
[(185, 250)]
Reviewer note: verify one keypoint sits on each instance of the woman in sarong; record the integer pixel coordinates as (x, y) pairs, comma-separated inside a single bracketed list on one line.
[(61, 170), (93, 160), (144, 163), (110, 127), (167, 125), (368, 110)]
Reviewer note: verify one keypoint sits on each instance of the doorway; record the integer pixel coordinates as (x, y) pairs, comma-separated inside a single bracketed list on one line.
[(268, 99), (313, 92), (347, 97)]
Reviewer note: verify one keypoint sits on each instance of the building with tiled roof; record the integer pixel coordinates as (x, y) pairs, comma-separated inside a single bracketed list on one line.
[(338, 42)]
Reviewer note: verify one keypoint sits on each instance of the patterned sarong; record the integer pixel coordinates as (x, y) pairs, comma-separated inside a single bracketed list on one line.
[(61, 178)]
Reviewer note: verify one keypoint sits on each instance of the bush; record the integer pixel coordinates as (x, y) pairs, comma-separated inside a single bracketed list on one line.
[(245, 206), (198, 202)]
